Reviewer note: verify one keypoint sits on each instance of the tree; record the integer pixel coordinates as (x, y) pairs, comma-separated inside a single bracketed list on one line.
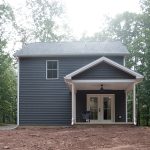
[(7, 89), (43, 22), (134, 31), (7, 73), (45, 17)]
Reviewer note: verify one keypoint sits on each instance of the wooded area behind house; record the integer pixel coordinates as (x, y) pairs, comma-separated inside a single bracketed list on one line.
[(132, 29)]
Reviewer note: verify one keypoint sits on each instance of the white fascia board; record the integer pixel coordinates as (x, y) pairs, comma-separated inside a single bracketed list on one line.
[(105, 81), (92, 64)]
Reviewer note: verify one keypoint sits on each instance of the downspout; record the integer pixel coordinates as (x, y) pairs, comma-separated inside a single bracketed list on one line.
[(18, 85)]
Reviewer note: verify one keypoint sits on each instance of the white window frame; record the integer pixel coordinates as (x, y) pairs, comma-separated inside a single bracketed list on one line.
[(51, 69)]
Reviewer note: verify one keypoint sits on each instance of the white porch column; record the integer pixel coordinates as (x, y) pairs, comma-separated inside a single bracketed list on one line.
[(73, 105), (126, 107), (134, 105), (18, 84)]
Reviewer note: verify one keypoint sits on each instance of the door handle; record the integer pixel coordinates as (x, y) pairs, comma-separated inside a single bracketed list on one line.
[(99, 110)]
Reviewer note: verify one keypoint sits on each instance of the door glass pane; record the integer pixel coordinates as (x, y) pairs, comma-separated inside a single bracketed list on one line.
[(107, 108), (94, 108)]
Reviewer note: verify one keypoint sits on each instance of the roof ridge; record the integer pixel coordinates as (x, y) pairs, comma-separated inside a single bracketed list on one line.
[(73, 42)]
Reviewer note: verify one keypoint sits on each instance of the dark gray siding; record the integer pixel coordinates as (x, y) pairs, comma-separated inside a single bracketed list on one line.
[(47, 102), (103, 71), (120, 103)]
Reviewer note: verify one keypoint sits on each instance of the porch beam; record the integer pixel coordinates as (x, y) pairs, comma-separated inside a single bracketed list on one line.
[(134, 105), (73, 121), (105, 81)]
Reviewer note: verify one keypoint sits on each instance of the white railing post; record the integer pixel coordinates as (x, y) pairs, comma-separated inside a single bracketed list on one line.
[(134, 105)]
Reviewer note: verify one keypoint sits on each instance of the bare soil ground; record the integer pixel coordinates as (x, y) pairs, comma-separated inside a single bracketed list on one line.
[(79, 137)]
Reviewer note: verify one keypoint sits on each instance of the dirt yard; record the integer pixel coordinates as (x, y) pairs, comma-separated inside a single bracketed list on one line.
[(86, 137)]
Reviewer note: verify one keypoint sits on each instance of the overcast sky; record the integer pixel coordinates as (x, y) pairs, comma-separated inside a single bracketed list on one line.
[(88, 15)]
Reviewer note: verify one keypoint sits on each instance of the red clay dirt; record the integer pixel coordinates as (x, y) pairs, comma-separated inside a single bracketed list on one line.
[(79, 137)]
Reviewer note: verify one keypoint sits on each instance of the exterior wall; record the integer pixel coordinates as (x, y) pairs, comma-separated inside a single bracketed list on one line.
[(103, 71), (120, 106), (47, 102)]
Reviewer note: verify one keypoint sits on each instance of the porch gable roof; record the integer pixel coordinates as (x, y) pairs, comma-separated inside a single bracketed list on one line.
[(108, 61)]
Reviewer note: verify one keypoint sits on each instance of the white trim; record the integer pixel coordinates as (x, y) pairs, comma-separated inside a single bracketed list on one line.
[(134, 105), (124, 61), (126, 107), (104, 81), (49, 69), (112, 109), (103, 59), (100, 105), (18, 89), (73, 121)]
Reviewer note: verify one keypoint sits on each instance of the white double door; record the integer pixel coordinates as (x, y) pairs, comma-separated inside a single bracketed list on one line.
[(101, 107)]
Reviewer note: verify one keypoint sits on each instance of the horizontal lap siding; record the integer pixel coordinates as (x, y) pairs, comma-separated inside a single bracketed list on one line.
[(103, 71), (42, 102), (47, 102)]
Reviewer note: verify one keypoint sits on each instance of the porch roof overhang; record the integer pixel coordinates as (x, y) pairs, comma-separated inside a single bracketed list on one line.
[(109, 84)]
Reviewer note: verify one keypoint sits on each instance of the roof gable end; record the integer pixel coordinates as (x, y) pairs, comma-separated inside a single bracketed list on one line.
[(108, 61), (101, 71)]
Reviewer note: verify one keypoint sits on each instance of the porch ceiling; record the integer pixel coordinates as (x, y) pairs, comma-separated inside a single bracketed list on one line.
[(107, 85)]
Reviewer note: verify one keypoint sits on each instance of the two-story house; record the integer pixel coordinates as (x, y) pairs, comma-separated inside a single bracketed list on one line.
[(59, 81)]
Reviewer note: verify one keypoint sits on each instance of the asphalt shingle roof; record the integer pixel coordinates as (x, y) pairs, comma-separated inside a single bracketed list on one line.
[(72, 48)]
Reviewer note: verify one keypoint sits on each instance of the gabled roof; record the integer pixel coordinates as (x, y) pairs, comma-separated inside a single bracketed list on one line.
[(106, 60), (73, 49)]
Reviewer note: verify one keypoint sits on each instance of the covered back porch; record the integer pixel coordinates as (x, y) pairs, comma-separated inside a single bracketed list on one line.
[(105, 100), (101, 88)]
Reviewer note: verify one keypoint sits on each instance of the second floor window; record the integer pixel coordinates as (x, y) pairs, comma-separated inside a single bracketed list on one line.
[(52, 69)]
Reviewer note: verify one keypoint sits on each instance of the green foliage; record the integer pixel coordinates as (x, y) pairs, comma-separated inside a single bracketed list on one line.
[(145, 5), (44, 27), (7, 89), (134, 31), (7, 20), (99, 36), (7, 73), (45, 15)]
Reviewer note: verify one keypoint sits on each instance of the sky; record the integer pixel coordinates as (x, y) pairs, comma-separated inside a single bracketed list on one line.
[(87, 16)]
